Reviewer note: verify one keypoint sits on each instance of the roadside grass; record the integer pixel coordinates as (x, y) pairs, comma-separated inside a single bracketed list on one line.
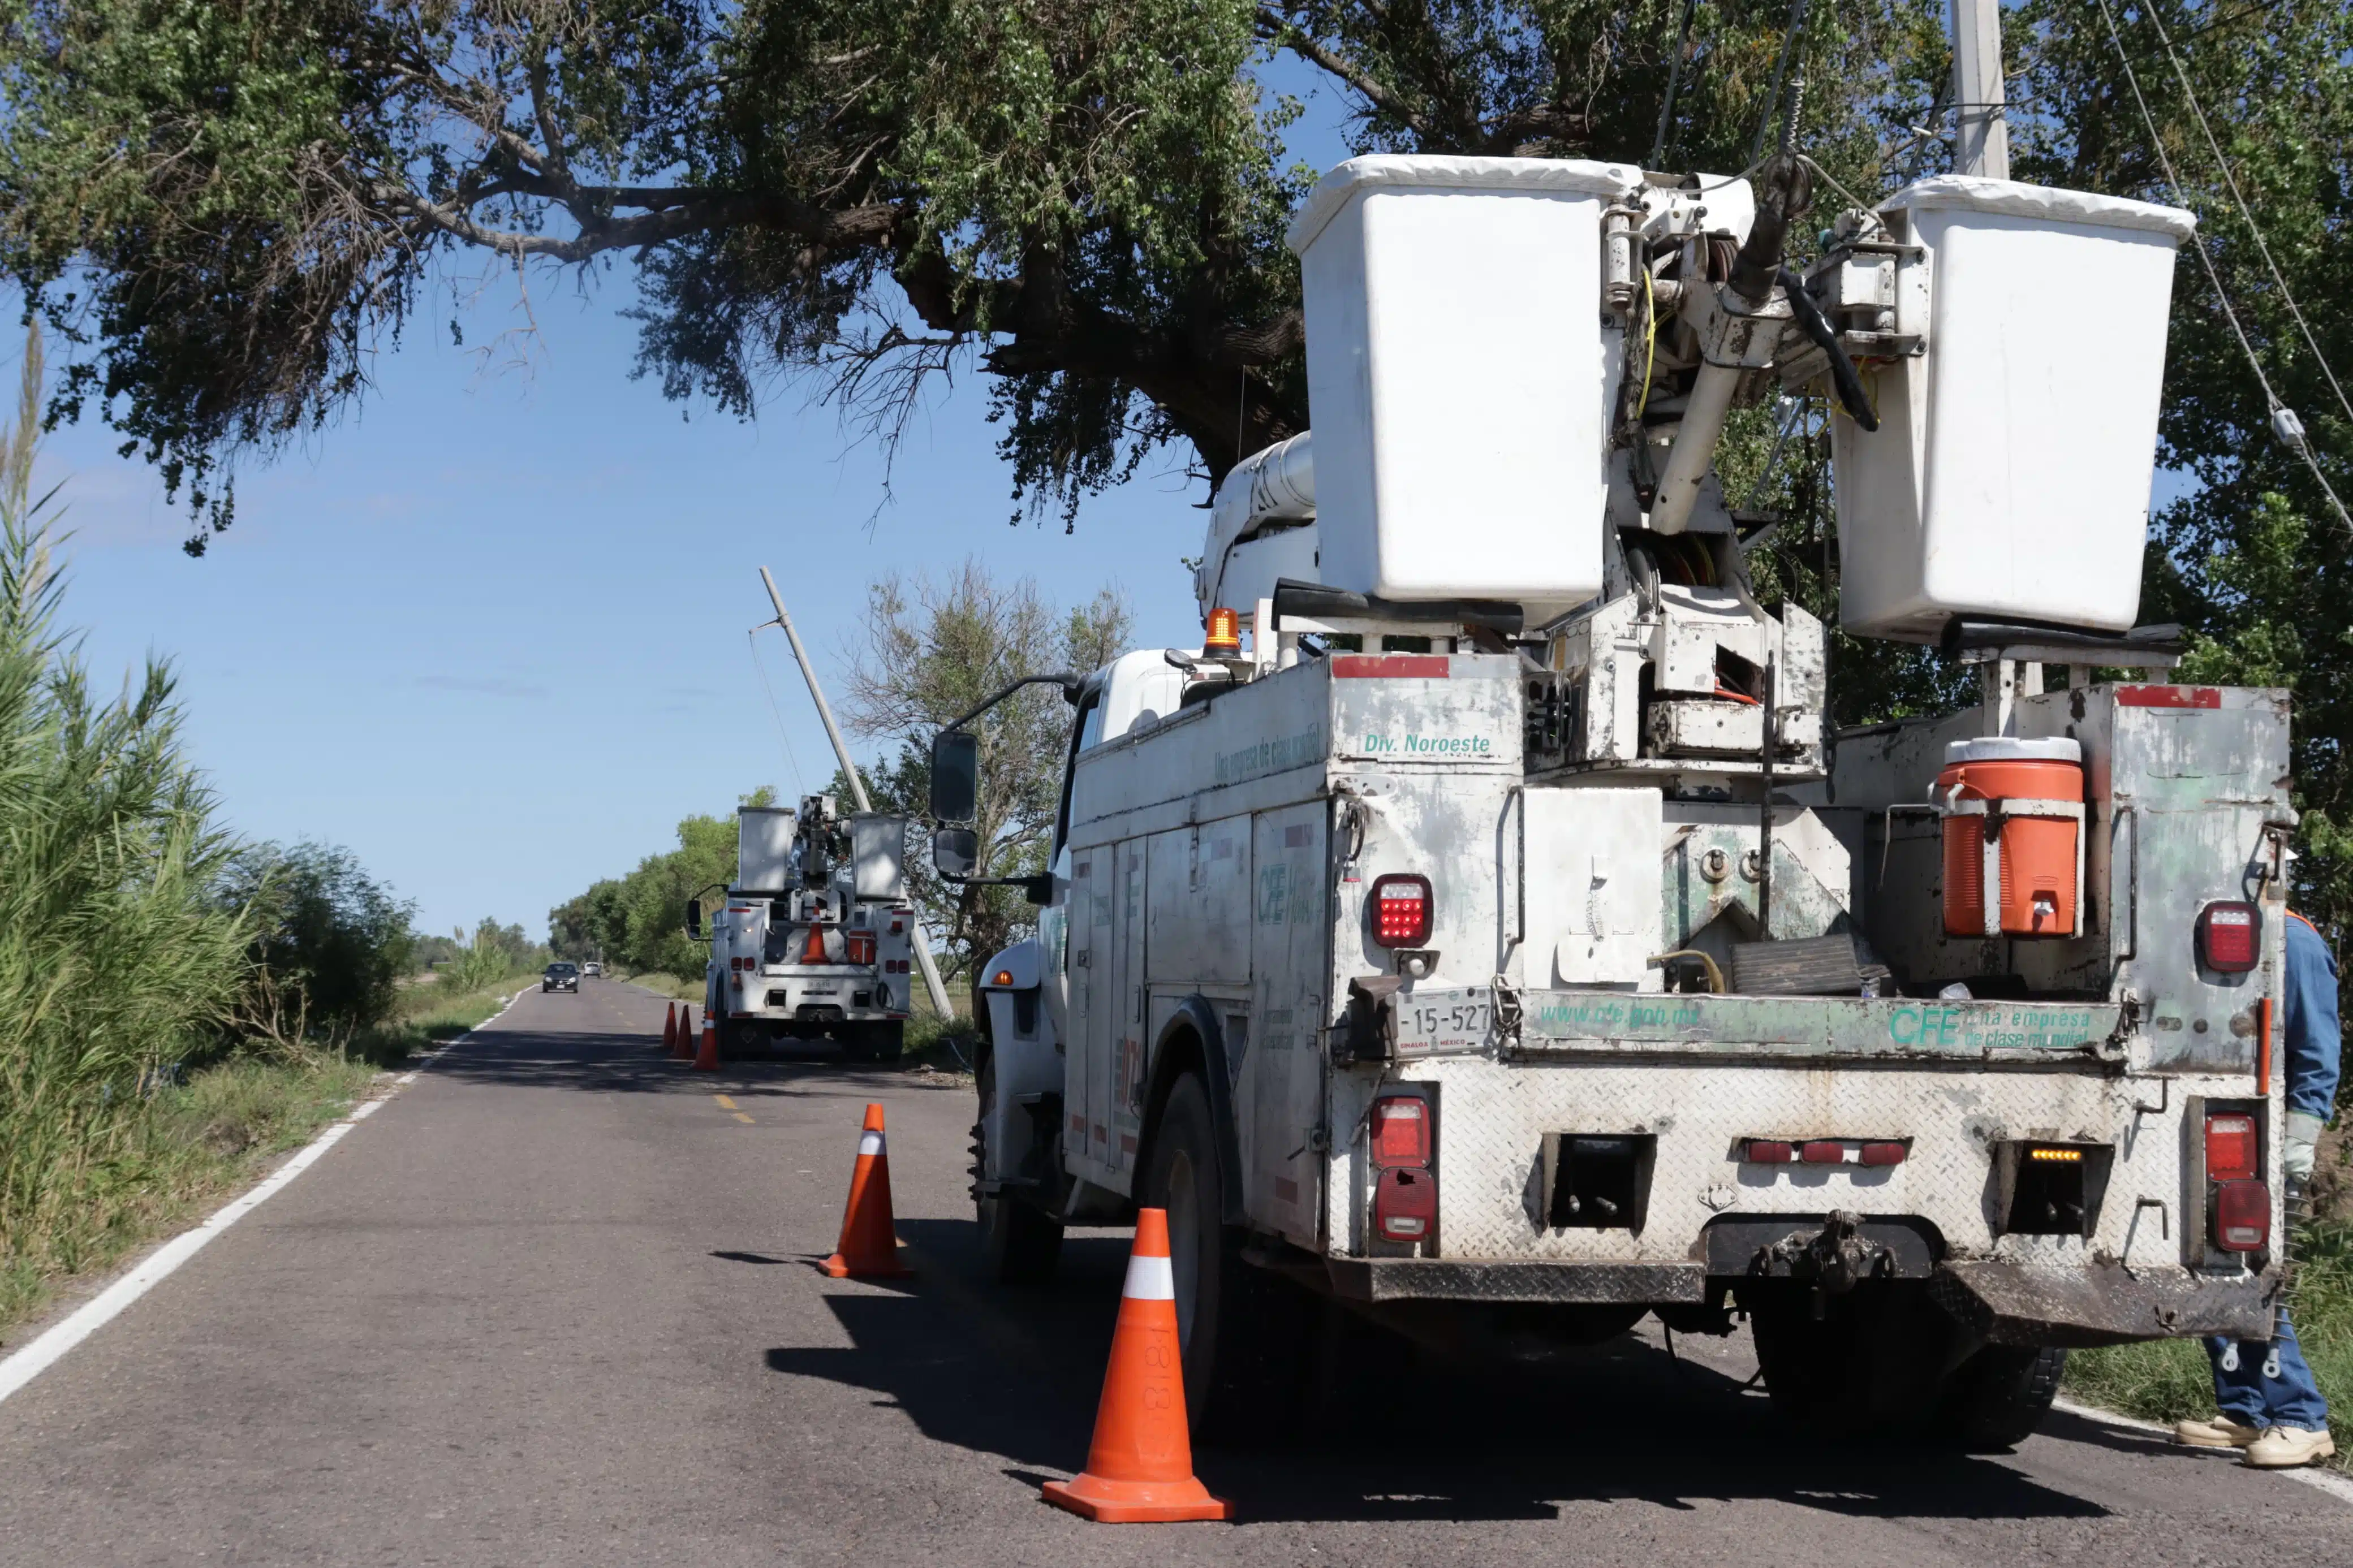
[(189, 1146), (661, 982), (2166, 1380)]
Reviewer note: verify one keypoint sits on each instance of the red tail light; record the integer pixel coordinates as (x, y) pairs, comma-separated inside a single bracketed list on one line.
[(2242, 1217), (2230, 937), (1401, 910), (1770, 1152), (1823, 1152), (861, 947), (1885, 1153), (2233, 1151), (1400, 1131), (1405, 1205)]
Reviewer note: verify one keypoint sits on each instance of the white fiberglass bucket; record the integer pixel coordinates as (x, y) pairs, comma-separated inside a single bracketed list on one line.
[(2009, 475), (1456, 374)]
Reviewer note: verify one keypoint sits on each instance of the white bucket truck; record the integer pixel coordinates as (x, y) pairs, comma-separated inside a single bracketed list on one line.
[(1500, 945), (816, 935)]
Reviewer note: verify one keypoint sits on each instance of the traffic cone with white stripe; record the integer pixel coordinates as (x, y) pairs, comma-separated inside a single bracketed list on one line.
[(706, 1056), (1140, 1466), (868, 1248), (670, 1030)]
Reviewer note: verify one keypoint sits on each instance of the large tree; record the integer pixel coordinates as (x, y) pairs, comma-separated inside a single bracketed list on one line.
[(229, 205)]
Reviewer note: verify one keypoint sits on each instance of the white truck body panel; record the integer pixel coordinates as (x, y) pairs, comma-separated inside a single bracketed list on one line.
[(1217, 869)]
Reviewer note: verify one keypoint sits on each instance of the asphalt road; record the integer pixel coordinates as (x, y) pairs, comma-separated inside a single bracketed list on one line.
[(555, 1303)]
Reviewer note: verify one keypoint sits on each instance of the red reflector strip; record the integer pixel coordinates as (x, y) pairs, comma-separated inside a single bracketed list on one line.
[(2169, 696), (1765, 1151), (1372, 666), (1823, 1152), (1883, 1154)]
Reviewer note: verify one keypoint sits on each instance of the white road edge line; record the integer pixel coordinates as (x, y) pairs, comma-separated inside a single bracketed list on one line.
[(2336, 1483), (46, 1349)]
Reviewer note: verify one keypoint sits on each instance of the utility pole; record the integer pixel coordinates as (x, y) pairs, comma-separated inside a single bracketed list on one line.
[(1981, 136), (923, 943)]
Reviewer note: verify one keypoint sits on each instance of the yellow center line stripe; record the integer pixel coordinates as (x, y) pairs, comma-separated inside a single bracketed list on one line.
[(724, 1103), (744, 1118)]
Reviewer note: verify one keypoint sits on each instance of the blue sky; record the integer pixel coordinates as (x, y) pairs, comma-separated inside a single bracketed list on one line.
[(488, 632)]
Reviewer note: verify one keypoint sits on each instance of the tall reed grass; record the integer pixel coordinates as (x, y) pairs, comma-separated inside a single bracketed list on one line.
[(114, 961)]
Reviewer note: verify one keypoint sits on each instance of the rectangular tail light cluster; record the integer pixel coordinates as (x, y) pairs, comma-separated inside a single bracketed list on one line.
[(2230, 937), (1403, 1143), (1401, 910), (1869, 1151), (2238, 1201)]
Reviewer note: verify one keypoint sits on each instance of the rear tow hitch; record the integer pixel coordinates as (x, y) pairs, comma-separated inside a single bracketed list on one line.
[(1831, 1260)]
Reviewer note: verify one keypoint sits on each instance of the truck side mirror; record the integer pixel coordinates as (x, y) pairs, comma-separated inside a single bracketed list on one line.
[(956, 775), (956, 851), (694, 919)]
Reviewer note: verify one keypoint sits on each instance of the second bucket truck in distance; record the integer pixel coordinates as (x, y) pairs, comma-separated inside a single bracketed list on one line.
[(816, 936), (1501, 945)]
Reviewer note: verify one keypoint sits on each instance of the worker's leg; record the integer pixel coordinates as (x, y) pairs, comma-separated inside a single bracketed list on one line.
[(2239, 1380), (2293, 1398)]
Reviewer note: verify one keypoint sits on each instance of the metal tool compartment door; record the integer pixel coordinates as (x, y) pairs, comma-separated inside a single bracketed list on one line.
[(1279, 1081), (1114, 1029), (1092, 882)]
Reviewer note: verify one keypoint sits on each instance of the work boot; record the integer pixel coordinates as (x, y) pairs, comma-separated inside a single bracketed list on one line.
[(2287, 1447), (2219, 1433)]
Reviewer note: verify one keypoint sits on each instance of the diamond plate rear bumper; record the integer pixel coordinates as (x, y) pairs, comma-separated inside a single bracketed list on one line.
[(2009, 1304)]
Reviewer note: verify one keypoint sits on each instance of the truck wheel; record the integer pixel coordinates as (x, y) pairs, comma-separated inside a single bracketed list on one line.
[(1020, 1243), (1244, 1332), (1995, 1398)]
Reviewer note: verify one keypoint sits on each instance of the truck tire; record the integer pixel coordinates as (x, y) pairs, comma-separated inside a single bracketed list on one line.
[(1021, 1243), (1995, 1399), (1244, 1332)]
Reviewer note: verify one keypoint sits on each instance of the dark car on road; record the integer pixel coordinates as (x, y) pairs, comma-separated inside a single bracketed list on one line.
[(561, 977)]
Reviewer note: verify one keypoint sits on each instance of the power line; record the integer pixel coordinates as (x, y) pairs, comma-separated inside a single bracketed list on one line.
[(2181, 74), (2285, 424), (752, 637)]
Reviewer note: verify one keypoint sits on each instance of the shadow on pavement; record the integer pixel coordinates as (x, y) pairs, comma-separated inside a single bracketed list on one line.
[(1016, 1374)]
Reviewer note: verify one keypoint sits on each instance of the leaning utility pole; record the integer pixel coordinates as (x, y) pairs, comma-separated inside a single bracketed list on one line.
[(1980, 135), (923, 943)]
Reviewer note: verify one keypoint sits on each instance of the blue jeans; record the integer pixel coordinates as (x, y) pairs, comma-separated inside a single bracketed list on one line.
[(2248, 1397)]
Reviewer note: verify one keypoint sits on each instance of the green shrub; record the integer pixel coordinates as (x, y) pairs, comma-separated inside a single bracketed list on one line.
[(115, 959)]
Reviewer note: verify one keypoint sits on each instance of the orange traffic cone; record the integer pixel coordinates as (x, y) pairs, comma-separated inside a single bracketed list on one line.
[(706, 1056), (868, 1248), (1140, 1466), (670, 1030), (682, 1047)]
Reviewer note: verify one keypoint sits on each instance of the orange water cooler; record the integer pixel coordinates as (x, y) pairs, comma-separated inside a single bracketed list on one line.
[(2013, 826)]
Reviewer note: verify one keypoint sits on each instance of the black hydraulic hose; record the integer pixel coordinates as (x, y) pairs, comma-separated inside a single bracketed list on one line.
[(1785, 190), (1817, 326)]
